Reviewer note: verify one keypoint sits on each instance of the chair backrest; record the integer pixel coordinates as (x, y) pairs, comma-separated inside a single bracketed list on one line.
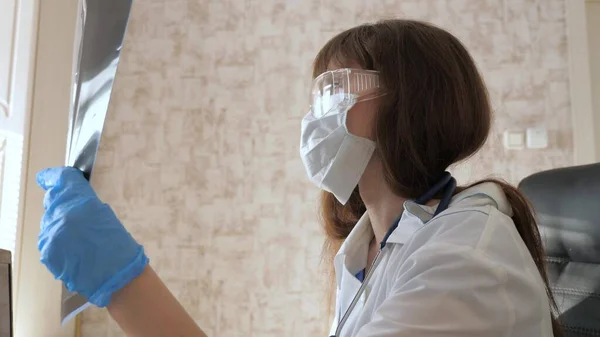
[(567, 204)]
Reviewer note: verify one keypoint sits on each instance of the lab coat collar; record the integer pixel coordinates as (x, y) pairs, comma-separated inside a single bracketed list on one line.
[(416, 216), (413, 218), (356, 245), (350, 259)]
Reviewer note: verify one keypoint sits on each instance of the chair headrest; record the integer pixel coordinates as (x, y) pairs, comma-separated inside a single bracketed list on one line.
[(567, 203)]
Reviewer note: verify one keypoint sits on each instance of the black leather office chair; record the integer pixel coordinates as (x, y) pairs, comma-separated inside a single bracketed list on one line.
[(567, 203)]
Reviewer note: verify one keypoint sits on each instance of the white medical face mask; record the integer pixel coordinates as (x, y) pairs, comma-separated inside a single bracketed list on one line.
[(334, 158)]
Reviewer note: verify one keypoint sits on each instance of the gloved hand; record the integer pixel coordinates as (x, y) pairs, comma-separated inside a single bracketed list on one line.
[(81, 241)]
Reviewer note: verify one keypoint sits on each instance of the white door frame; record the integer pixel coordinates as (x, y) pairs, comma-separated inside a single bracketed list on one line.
[(584, 143), (48, 32)]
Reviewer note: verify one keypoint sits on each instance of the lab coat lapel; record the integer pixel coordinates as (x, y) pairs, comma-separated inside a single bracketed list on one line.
[(351, 258), (349, 287)]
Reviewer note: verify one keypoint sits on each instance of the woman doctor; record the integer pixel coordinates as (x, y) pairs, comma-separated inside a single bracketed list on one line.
[(393, 105)]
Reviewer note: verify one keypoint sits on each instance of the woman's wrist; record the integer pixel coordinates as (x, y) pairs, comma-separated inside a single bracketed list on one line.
[(131, 289), (121, 279), (145, 307)]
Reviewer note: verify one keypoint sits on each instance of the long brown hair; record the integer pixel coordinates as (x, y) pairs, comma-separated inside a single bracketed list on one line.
[(436, 112)]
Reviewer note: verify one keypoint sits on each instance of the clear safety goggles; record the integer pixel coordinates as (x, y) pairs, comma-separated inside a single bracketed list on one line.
[(342, 87)]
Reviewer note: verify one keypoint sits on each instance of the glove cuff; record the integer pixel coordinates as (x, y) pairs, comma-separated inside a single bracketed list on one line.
[(103, 295)]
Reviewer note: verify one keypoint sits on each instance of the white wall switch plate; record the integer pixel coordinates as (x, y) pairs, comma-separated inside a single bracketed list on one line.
[(514, 140), (537, 138)]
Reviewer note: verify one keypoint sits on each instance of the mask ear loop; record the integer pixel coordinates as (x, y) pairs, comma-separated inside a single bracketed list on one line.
[(370, 96)]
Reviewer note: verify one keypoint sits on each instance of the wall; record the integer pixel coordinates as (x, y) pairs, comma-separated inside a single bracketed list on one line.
[(199, 156)]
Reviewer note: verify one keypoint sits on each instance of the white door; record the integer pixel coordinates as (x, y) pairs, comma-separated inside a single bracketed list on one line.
[(583, 26), (36, 52), (593, 35)]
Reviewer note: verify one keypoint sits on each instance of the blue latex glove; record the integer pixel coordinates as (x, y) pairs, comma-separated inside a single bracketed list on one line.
[(82, 242)]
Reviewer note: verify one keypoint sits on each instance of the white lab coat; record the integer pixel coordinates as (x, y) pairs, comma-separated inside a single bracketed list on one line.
[(466, 273)]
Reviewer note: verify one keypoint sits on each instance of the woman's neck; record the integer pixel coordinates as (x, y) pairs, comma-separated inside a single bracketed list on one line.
[(383, 205)]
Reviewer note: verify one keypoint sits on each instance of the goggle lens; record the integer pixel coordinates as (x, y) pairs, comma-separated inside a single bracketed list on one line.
[(334, 88)]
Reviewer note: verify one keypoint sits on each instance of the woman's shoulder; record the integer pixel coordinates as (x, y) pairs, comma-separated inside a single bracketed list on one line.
[(476, 238), (483, 232), (469, 227)]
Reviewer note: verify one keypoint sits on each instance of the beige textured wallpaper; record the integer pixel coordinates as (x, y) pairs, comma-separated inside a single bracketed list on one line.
[(200, 151)]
